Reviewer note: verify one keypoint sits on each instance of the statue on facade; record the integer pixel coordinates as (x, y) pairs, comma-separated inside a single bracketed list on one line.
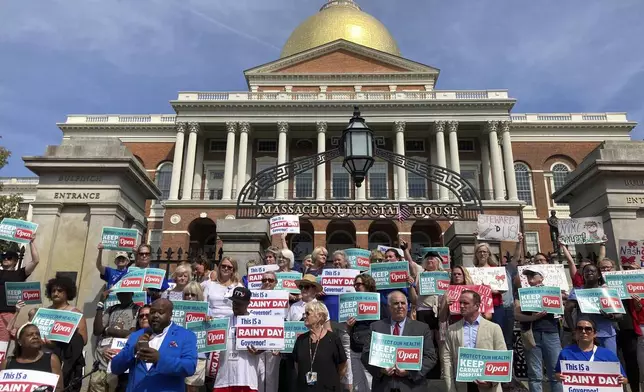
[(553, 222)]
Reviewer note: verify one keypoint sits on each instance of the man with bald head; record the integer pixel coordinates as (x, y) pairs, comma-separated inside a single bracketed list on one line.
[(159, 358)]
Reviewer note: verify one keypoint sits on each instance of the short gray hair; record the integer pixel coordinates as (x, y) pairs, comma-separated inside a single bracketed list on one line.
[(390, 295)]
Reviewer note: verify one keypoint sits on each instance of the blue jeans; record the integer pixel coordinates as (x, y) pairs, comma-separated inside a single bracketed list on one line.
[(504, 317), (609, 343), (547, 350)]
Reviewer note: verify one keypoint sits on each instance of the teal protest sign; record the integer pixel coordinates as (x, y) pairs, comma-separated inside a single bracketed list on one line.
[(115, 238), (292, 329), (626, 283), (132, 281), (442, 251), (433, 283), (189, 311), (541, 299), (139, 298), (28, 292), (390, 275), (361, 306), (57, 325), (286, 281), (358, 258), (387, 351), (16, 230), (594, 300), (153, 278), (211, 335), (484, 365)]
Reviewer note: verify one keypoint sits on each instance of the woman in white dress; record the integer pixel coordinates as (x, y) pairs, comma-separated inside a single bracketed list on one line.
[(218, 291)]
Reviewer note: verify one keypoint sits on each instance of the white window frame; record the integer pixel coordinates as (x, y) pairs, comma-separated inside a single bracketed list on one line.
[(416, 140), (530, 210), (156, 175), (295, 196), (149, 241), (549, 180), (368, 185), (427, 196), (268, 162), (536, 233), (337, 165), (468, 139), (267, 140), (210, 142), (476, 166), (208, 167)]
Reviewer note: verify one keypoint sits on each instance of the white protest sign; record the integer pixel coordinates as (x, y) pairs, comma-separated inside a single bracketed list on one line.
[(495, 277), (581, 230), (261, 332), (554, 275), (498, 227), (255, 275), (336, 281), (26, 380), (289, 224), (591, 376), (385, 248), (631, 252), (268, 303)]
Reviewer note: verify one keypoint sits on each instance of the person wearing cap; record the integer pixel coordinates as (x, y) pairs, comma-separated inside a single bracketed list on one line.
[(544, 346), (108, 274), (9, 273), (238, 369)]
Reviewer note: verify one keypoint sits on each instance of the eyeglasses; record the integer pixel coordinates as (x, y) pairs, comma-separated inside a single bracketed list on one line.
[(585, 329), (144, 253), (144, 315), (226, 267), (268, 280)]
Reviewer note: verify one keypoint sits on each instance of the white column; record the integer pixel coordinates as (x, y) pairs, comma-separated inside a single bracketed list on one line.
[(281, 187), (231, 128), (433, 161), (244, 129), (508, 160), (495, 158), (361, 193), (439, 126), (399, 129), (175, 182), (191, 154), (320, 175), (455, 162), (196, 184), (486, 171)]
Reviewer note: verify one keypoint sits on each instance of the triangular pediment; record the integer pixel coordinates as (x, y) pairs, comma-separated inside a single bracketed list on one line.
[(341, 57)]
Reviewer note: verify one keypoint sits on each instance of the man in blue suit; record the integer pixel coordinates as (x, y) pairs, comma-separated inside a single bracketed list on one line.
[(159, 358)]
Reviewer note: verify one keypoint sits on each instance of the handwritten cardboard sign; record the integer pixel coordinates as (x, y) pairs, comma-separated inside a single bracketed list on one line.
[(631, 252), (454, 292), (498, 228), (581, 230), (495, 277), (553, 275)]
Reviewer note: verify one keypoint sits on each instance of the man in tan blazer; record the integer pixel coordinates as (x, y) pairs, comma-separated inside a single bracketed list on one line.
[(473, 331)]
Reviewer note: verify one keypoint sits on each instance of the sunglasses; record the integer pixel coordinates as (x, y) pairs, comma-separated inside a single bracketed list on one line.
[(144, 315), (226, 267), (268, 280), (144, 253), (585, 329)]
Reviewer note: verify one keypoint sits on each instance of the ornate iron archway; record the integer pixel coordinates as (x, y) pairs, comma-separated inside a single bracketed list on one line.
[(251, 205)]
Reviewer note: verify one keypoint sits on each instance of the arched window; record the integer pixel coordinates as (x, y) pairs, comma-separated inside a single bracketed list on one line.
[(163, 178), (559, 173), (419, 240), (524, 182), (379, 238), (301, 245), (339, 240)]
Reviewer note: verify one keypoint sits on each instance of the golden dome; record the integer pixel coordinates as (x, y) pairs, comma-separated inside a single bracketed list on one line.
[(340, 19)]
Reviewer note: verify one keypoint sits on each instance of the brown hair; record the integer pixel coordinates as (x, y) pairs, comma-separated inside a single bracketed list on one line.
[(368, 281)]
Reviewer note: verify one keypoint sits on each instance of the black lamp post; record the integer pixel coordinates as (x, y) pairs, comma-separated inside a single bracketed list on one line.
[(357, 146)]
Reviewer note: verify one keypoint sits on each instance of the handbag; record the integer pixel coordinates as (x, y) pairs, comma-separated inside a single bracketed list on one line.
[(527, 337)]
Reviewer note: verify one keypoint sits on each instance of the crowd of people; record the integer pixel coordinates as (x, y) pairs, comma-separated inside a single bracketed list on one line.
[(162, 356)]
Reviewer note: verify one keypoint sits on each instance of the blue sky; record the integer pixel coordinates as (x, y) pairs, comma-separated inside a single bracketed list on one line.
[(64, 57)]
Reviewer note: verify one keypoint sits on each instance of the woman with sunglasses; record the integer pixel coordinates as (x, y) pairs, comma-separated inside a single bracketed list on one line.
[(143, 318), (193, 292), (359, 334), (586, 349), (217, 292)]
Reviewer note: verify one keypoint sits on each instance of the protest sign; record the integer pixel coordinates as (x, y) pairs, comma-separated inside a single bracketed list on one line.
[(118, 344), (594, 300), (16, 230), (58, 325), (387, 351), (454, 292), (361, 306), (286, 281), (289, 224), (385, 248), (390, 275), (154, 278), (553, 275), (261, 332), (498, 227), (591, 376), (484, 365), (189, 311), (3, 350), (358, 258), (336, 281), (139, 298), (581, 230), (495, 277), (292, 329), (26, 380), (28, 292), (132, 281), (631, 251), (115, 238), (268, 303), (541, 299), (255, 275), (442, 251), (626, 283), (211, 335), (433, 282)]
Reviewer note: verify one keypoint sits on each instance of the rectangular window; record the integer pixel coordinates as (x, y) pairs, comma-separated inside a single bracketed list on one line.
[(340, 182), (154, 240), (217, 145), (304, 185), (266, 145), (414, 146), (531, 242), (377, 180), (466, 145), (270, 192), (416, 186), (472, 176)]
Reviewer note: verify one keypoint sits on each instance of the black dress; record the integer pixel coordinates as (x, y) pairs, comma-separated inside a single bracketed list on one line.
[(329, 355), (42, 365)]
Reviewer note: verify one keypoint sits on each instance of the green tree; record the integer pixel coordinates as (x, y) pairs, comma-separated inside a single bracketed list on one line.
[(10, 204)]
